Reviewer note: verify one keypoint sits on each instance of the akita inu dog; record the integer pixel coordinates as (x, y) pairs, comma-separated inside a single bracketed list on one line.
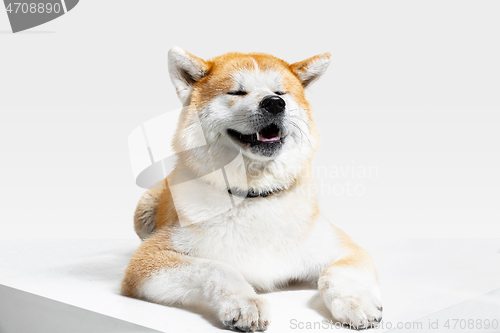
[(252, 104)]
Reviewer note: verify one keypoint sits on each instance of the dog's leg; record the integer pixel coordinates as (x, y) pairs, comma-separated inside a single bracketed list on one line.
[(349, 287), (159, 274)]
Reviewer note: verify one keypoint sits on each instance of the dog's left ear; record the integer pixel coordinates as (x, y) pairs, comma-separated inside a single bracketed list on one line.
[(185, 69), (311, 69)]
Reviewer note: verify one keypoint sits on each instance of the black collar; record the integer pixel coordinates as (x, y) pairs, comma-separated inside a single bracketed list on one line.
[(251, 193)]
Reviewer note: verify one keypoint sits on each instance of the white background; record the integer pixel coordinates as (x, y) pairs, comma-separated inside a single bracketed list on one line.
[(413, 90)]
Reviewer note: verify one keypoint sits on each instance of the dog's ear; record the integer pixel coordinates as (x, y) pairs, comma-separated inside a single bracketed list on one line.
[(311, 69), (185, 69)]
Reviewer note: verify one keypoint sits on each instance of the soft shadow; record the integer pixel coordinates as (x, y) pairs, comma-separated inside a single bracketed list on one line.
[(291, 286), (316, 303), (298, 285), (108, 265), (204, 311)]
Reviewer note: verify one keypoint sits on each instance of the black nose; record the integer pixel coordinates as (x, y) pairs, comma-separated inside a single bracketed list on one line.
[(273, 104)]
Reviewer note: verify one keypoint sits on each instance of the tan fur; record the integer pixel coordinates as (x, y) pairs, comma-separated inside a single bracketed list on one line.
[(145, 213), (215, 82), (221, 68), (153, 254), (154, 210), (167, 214), (354, 255)]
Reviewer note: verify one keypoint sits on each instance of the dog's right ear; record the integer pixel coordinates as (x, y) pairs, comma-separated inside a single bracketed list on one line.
[(311, 69), (185, 69)]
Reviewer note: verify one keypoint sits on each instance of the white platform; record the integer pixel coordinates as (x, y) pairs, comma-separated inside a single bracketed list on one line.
[(421, 280)]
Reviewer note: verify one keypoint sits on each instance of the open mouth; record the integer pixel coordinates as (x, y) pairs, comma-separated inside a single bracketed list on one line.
[(270, 134), (266, 142)]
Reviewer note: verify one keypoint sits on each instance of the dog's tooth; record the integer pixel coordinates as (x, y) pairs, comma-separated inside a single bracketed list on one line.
[(279, 134), (258, 136)]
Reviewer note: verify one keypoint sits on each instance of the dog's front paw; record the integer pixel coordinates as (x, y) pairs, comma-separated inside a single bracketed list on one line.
[(356, 311), (244, 313), (353, 304)]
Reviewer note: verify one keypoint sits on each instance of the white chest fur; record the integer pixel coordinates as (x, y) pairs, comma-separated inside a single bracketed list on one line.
[(269, 240)]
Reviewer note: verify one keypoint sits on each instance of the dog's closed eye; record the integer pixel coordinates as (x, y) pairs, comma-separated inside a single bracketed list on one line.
[(238, 93)]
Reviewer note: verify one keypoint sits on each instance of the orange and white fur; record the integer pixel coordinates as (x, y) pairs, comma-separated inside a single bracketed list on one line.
[(264, 242)]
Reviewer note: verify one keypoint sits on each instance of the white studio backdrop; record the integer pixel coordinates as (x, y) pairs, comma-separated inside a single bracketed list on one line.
[(409, 109)]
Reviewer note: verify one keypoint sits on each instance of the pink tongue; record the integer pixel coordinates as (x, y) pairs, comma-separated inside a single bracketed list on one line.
[(264, 139)]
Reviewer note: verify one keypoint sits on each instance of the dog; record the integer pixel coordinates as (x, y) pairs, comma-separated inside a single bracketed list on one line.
[(252, 107)]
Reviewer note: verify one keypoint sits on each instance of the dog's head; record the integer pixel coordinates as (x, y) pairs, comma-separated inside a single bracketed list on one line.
[(253, 103)]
